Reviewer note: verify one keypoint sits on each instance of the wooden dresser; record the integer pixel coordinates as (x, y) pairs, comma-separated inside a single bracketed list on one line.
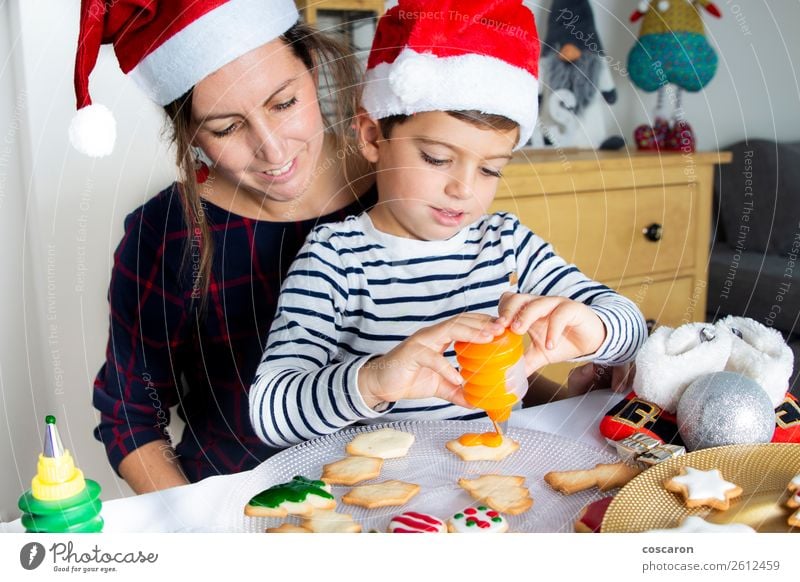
[(640, 223)]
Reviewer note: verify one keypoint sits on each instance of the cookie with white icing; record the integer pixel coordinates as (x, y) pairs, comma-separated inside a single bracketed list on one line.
[(703, 488), (384, 443), (696, 524), (481, 519), (415, 522)]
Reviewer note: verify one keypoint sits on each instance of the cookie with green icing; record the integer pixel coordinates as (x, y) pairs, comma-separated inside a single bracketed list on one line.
[(300, 496)]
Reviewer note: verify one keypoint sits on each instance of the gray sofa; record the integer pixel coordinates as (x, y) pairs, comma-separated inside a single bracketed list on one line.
[(754, 268)]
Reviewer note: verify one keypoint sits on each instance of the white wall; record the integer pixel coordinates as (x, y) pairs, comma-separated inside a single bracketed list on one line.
[(61, 214), (21, 353), (72, 209)]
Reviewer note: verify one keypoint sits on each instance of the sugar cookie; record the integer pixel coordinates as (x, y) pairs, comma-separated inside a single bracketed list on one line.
[(327, 521), (381, 494), (794, 519), (384, 443), (351, 470), (288, 528), (414, 522), (483, 452), (504, 493), (703, 488), (479, 519), (300, 496), (604, 476), (696, 524)]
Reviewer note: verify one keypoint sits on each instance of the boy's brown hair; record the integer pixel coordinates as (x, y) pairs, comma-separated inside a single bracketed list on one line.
[(473, 117)]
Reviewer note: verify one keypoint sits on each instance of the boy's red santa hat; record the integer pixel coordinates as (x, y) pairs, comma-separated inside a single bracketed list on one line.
[(167, 47), (456, 55)]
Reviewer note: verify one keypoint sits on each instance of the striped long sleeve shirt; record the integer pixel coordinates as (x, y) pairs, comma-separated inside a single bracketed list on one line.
[(354, 292)]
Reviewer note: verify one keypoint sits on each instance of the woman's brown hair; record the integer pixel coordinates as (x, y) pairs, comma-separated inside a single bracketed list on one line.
[(333, 62)]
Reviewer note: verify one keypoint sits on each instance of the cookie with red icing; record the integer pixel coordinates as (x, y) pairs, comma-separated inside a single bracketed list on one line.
[(481, 519), (414, 522)]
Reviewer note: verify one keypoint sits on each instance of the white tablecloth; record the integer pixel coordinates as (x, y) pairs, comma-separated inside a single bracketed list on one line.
[(196, 507)]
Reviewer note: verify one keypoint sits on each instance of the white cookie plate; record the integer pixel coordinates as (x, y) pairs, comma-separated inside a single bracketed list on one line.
[(437, 470)]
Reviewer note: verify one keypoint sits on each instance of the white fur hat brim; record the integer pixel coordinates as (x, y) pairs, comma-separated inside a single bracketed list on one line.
[(418, 82), (760, 354), (671, 359)]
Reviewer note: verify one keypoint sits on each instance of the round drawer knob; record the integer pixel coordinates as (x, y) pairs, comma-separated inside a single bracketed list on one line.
[(654, 232)]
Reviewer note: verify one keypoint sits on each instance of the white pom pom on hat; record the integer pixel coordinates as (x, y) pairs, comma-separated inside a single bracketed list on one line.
[(93, 131), (167, 47)]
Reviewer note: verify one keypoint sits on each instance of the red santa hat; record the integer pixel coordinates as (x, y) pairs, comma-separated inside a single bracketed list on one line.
[(167, 47), (457, 55)]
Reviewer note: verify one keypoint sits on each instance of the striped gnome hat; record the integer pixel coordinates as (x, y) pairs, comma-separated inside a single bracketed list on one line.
[(455, 55), (167, 47)]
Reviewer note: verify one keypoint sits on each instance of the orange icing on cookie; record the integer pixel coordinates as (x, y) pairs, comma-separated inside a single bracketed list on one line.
[(487, 439)]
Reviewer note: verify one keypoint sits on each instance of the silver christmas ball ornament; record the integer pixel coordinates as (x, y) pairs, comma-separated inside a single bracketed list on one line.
[(724, 408)]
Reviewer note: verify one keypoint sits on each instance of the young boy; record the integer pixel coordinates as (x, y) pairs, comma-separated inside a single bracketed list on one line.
[(371, 306)]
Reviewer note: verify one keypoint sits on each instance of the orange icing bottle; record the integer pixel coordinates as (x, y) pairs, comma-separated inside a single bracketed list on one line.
[(494, 374)]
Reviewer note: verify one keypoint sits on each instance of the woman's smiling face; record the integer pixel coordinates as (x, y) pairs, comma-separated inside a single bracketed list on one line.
[(258, 120)]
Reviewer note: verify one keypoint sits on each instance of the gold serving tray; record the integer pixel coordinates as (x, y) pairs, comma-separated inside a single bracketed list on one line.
[(762, 471)]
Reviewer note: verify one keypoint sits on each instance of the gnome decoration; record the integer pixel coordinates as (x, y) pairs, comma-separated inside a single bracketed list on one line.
[(673, 362), (575, 80), (672, 50)]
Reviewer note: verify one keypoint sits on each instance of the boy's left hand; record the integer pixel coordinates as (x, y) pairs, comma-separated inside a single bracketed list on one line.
[(560, 329)]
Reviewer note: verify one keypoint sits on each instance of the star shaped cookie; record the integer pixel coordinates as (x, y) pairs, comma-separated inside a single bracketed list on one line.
[(703, 488)]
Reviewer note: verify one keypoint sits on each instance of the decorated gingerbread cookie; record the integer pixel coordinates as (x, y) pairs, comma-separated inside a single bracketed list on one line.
[(300, 496), (479, 519), (413, 522), (703, 488), (696, 524)]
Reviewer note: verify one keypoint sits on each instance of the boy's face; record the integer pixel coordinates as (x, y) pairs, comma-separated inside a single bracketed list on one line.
[(436, 174)]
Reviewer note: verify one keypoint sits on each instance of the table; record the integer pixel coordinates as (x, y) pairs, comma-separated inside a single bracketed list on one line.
[(195, 507)]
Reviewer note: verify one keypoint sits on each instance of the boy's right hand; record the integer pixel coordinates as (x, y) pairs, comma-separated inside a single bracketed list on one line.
[(416, 368)]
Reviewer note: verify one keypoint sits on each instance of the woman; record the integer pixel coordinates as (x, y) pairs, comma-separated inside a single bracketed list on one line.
[(198, 271)]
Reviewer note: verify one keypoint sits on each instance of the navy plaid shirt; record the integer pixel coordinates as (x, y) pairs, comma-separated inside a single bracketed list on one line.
[(162, 352)]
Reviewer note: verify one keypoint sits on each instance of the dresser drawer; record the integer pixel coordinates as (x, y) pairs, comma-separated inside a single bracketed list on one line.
[(606, 233), (671, 302)]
